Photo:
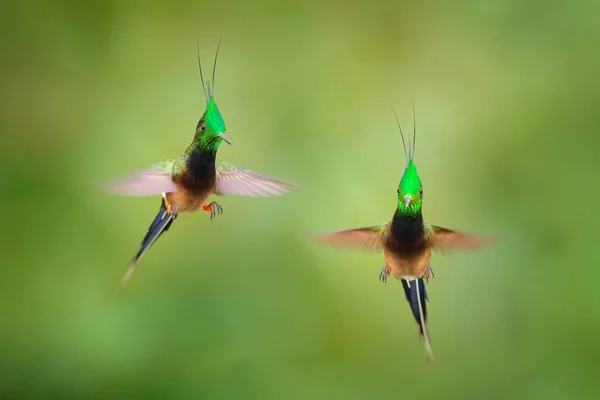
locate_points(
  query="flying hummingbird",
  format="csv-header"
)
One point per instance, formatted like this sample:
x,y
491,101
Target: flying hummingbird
x,y
407,240
186,182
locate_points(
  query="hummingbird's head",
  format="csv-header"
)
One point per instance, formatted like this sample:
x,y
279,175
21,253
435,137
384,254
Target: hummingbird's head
x,y
410,189
211,127
210,131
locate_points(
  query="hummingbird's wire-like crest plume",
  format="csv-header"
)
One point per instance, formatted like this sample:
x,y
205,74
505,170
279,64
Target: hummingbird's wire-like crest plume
x,y
215,67
401,134
211,87
409,152
414,129
201,76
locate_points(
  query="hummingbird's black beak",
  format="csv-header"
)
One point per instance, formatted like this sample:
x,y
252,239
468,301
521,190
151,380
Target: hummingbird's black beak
x,y
407,200
222,136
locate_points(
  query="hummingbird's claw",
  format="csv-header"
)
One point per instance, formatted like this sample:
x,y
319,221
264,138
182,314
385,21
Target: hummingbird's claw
x,y
172,209
214,209
429,273
383,275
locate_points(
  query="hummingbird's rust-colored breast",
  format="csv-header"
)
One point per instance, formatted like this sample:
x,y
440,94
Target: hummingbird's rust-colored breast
x,y
188,199
195,183
407,266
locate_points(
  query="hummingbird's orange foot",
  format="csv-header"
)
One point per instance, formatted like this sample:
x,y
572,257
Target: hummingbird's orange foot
x,y
213,208
383,275
171,208
428,273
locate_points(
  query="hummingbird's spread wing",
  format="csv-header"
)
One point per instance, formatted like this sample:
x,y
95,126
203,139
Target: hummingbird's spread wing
x,y
446,239
233,180
147,182
369,238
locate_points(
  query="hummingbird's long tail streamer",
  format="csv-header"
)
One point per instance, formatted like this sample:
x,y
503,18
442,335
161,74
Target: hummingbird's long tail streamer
x,y
161,224
416,295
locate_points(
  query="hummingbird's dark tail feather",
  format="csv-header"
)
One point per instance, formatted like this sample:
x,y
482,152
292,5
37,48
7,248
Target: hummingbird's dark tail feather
x,y
161,224
416,295
410,290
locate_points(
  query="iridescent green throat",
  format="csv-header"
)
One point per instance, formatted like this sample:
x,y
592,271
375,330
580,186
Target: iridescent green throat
x,y
207,144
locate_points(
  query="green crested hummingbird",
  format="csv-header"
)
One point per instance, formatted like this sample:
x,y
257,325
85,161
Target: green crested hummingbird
x,y
186,182
407,240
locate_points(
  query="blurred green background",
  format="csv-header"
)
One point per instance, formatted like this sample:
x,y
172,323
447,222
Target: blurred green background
x,y
247,307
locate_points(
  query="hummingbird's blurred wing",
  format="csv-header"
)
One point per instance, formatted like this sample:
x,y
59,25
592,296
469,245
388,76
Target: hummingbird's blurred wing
x,y
446,239
147,182
368,238
233,180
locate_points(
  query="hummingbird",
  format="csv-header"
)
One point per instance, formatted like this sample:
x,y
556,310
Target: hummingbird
x,y
186,183
407,241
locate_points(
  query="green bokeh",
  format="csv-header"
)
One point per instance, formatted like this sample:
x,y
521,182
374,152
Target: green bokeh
x,y
247,307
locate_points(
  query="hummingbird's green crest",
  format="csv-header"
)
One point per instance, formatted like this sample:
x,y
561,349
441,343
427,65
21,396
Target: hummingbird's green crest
x,y
186,182
407,240
210,131
410,191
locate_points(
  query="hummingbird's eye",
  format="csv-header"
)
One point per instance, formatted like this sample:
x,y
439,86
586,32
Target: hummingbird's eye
x,y
421,192
398,191
202,127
